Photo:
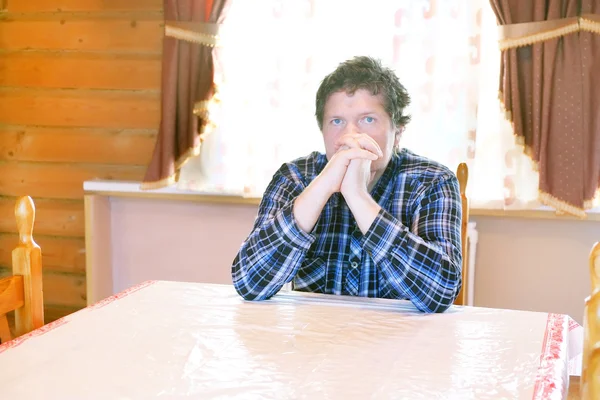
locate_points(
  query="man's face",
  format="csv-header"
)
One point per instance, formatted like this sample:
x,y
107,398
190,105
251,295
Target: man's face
x,y
360,112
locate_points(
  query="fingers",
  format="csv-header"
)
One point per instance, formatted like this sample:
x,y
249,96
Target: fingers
x,y
350,154
359,140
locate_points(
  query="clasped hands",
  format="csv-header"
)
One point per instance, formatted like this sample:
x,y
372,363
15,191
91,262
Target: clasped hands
x,y
349,169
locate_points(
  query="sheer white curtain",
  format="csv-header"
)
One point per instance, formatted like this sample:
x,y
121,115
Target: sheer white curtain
x,y
276,52
501,175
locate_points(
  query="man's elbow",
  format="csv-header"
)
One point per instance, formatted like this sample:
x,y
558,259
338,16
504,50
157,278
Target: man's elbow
x,y
435,307
442,301
443,305
447,299
249,294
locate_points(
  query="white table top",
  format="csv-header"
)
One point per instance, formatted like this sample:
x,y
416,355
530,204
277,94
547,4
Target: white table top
x,y
189,340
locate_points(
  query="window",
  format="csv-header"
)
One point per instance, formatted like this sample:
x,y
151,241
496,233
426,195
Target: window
x,y
275,53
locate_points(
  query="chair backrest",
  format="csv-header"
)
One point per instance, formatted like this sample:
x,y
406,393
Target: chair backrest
x,y
22,292
591,389
590,368
594,266
462,173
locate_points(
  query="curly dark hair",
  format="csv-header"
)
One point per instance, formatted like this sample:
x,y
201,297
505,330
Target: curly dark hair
x,y
364,72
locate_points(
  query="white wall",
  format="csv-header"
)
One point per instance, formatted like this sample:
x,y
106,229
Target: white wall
x,y
527,264
534,264
175,240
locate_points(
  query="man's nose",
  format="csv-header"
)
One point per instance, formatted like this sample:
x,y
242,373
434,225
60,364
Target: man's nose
x,y
351,128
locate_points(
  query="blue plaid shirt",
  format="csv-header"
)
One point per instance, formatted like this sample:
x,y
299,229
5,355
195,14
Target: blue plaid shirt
x,y
411,251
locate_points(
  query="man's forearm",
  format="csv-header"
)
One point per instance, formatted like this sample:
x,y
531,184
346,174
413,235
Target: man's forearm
x,y
363,208
424,263
270,256
310,203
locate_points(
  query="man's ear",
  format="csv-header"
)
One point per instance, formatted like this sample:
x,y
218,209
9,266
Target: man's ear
x,y
398,135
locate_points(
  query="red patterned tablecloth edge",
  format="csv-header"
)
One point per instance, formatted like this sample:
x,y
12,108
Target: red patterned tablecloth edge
x,y
119,295
573,324
62,321
554,349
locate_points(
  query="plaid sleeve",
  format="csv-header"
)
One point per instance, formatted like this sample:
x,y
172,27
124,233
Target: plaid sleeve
x,y
424,263
276,247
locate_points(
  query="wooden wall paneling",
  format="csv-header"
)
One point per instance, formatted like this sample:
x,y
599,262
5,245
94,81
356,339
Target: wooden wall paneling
x,y
53,312
22,6
67,289
85,70
80,108
77,145
59,254
59,181
53,217
126,35
79,100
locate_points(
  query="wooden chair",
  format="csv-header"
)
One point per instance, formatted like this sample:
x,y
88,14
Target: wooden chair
x,y
591,340
591,389
590,368
462,173
22,292
594,266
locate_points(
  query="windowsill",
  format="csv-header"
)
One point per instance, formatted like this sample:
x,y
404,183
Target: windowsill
x,y
541,213
132,189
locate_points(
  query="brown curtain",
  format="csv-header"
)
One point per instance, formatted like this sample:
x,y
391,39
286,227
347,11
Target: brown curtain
x,y
191,32
551,94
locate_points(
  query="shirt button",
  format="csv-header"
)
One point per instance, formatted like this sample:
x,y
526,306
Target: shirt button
x,y
354,264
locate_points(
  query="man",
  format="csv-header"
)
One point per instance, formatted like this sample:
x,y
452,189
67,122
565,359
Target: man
x,y
366,219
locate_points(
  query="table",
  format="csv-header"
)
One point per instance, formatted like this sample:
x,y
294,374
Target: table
x,y
189,340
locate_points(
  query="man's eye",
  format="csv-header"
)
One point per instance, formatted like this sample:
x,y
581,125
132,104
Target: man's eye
x,y
369,120
336,121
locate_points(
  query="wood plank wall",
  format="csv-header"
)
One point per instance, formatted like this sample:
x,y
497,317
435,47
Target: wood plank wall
x,y
79,99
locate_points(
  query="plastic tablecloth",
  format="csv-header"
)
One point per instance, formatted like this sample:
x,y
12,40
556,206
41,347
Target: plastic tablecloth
x,y
190,340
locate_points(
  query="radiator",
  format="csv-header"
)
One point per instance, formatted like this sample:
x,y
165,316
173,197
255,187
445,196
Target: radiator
x,y
472,233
